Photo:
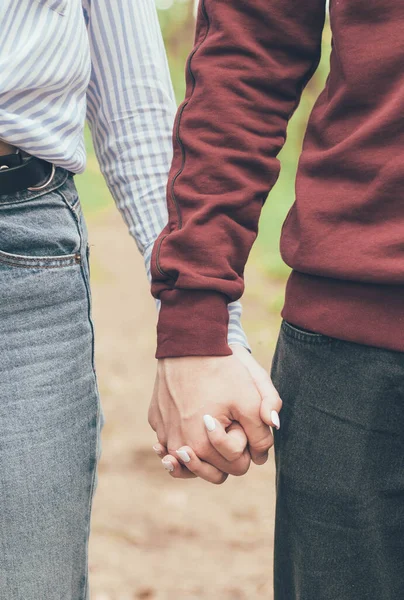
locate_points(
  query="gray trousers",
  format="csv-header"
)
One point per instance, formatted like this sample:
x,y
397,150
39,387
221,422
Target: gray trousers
x,y
340,470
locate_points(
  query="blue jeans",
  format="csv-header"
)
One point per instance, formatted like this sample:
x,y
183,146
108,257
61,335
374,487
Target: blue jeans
x,y
340,469
50,416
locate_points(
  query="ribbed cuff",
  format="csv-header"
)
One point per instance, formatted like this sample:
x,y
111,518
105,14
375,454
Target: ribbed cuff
x,y
192,323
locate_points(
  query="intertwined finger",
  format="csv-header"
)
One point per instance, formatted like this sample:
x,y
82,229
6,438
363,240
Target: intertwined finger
x,y
200,468
230,443
160,449
260,438
271,404
261,412
259,434
176,469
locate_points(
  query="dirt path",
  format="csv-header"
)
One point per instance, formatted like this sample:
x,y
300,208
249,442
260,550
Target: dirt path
x,y
155,538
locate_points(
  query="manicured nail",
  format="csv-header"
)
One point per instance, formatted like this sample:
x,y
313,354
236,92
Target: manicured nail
x,y
157,450
210,423
167,464
184,456
275,419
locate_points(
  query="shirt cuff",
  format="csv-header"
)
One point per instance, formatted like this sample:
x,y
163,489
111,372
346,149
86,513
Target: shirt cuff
x,y
236,334
235,331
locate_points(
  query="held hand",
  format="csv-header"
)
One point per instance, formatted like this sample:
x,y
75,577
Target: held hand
x,y
185,464
271,403
234,394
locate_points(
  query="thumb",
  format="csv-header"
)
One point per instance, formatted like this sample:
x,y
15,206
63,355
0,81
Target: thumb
x,y
271,403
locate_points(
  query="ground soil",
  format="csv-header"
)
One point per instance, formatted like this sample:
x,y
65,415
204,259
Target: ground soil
x,y
154,537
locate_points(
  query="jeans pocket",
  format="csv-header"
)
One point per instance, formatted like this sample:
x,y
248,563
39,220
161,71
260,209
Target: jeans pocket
x,y
41,230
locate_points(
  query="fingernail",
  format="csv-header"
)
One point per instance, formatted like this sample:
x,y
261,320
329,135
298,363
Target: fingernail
x,y
210,423
157,450
184,456
167,464
275,419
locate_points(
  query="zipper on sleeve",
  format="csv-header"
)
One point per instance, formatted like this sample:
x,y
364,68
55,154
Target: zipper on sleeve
x,y
178,138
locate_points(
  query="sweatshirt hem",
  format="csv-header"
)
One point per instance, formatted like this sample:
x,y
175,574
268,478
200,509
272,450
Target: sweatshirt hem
x,y
363,313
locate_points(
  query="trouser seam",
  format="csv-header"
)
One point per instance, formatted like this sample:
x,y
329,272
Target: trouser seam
x,y
84,271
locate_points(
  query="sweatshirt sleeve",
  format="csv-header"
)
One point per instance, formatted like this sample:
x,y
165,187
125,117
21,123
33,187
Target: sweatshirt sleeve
x,y
245,76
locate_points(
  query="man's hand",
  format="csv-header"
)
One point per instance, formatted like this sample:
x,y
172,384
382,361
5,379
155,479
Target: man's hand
x,y
271,403
205,410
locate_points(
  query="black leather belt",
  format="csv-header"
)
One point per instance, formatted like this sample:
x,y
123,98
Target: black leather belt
x,y
31,174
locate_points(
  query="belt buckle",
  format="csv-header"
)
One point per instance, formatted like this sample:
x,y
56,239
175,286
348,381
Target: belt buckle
x,y
44,185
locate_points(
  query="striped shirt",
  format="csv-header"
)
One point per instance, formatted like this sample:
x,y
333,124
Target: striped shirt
x,y
62,61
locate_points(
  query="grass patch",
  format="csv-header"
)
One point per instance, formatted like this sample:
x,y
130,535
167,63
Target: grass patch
x,y
93,191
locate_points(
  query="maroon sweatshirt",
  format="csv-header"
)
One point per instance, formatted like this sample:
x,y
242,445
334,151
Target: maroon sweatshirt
x,y
344,235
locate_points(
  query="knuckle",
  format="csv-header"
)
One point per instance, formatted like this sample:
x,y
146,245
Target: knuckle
x,y
241,468
261,459
277,403
220,479
235,454
263,445
251,410
261,449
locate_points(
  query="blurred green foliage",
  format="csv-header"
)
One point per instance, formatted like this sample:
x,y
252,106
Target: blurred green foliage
x,y
94,194
178,26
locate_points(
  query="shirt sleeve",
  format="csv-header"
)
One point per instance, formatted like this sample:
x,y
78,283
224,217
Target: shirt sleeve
x,y
131,109
245,76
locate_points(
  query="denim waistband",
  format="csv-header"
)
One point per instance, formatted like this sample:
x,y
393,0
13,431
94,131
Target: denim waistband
x,y
60,177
